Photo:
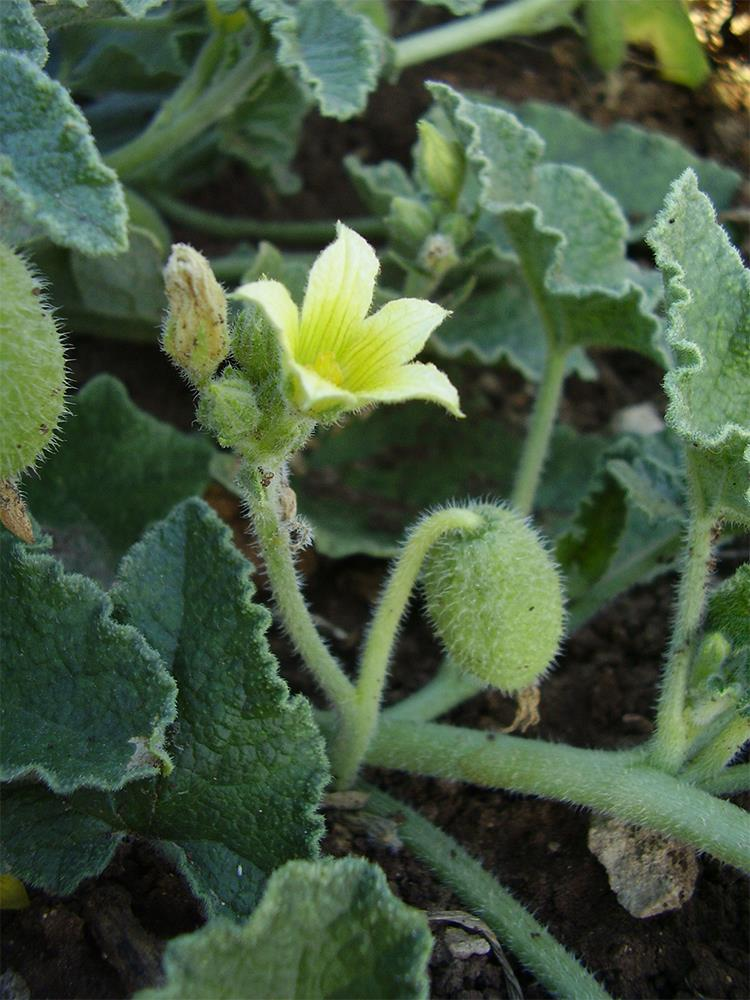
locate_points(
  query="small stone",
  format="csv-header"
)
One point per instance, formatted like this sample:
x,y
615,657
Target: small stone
x,y
463,945
649,873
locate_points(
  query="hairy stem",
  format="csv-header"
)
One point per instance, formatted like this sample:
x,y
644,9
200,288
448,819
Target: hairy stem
x,y
537,441
348,752
670,742
279,563
297,232
521,17
204,96
447,689
720,751
536,948
619,784
730,781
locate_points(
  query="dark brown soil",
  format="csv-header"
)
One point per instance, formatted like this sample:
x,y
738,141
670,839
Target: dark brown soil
x,y
106,940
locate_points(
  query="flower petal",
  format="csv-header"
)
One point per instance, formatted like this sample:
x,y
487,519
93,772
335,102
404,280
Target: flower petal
x,y
279,307
338,296
390,338
415,381
314,394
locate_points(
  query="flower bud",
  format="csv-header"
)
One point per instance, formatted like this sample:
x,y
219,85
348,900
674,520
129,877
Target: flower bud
x,y
495,599
438,255
195,331
440,162
228,407
409,222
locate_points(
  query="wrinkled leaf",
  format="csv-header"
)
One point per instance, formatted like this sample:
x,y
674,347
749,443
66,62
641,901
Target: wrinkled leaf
x,y
635,165
52,179
365,482
708,326
21,32
336,52
249,765
117,470
85,700
64,12
378,184
729,608
323,929
568,234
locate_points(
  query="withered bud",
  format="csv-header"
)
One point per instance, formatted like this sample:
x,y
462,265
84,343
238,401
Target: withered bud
x,y
195,331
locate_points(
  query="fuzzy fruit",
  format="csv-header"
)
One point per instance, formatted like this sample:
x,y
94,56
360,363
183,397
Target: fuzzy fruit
x,y
495,599
32,368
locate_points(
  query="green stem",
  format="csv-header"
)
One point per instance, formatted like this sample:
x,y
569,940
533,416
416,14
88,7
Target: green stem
x,y
521,17
721,750
447,689
670,741
277,556
730,781
619,784
351,748
536,948
205,96
540,429
313,232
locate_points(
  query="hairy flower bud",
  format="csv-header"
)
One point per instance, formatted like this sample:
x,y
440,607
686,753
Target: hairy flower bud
x,y
495,598
440,162
195,331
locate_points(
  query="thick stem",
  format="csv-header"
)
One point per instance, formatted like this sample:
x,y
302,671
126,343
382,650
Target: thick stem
x,y
516,928
719,752
540,429
447,689
314,232
348,752
197,103
670,742
282,575
616,783
521,17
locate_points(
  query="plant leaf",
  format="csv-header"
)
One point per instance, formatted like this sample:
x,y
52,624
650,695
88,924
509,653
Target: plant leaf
x,y
568,234
21,32
117,469
52,179
65,12
708,326
336,52
85,700
396,462
729,608
635,165
323,929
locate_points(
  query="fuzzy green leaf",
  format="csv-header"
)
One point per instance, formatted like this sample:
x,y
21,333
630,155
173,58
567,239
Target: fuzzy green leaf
x,y
65,12
21,32
336,52
633,164
52,179
85,700
395,463
568,234
117,470
249,766
378,184
323,929
729,608
708,326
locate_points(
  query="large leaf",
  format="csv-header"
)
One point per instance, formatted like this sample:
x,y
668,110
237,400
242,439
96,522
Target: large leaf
x,y
708,325
85,700
365,482
249,765
117,470
52,179
326,929
334,51
568,234
65,12
635,165
21,32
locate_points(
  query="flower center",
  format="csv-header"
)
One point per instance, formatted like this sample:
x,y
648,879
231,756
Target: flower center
x,y
328,367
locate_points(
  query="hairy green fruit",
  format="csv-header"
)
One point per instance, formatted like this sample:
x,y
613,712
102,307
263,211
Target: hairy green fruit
x,y
32,368
495,598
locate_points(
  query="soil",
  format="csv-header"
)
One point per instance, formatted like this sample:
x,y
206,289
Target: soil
x,y
106,940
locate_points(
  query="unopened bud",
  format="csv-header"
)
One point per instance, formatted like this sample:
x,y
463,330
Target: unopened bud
x,y
409,222
712,652
440,162
228,407
438,254
495,599
195,331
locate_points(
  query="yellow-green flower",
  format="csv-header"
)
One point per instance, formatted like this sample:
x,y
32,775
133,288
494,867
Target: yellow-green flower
x,y
339,358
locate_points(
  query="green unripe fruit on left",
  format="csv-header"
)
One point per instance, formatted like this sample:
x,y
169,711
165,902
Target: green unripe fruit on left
x,y
32,368
495,598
